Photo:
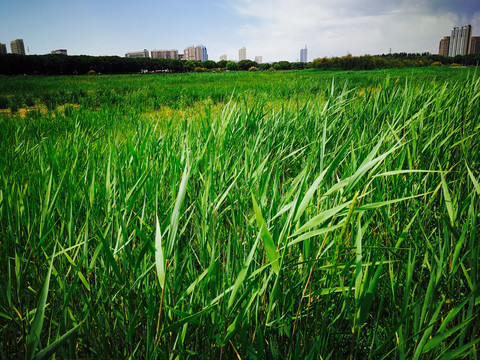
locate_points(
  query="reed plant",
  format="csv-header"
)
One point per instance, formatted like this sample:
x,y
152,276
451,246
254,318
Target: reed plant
x,y
334,216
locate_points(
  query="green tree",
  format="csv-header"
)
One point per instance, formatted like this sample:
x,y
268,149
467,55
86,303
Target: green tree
x,y
264,66
282,65
231,66
190,65
208,64
298,66
222,64
246,64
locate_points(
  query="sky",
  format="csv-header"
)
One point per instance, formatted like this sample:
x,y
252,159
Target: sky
x,y
273,29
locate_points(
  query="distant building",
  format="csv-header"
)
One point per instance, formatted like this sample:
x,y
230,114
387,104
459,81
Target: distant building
x,y
59,52
303,55
197,53
242,54
475,45
3,49
460,41
165,54
258,59
138,54
444,45
223,57
17,47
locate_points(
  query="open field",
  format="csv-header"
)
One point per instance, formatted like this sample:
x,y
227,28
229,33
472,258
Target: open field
x,y
275,215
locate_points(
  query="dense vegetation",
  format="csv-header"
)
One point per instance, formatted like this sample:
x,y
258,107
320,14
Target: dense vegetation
x,y
274,215
11,64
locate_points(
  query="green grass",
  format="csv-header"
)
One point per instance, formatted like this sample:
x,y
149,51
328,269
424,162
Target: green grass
x,y
272,215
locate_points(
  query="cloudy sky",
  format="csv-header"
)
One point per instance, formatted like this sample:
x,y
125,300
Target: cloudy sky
x,y
274,29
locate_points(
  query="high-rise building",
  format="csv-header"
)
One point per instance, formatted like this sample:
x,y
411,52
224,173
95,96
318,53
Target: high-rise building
x,y
3,49
165,54
475,45
223,57
242,54
198,53
460,41
138,54
17,47
444,45
303,55
258,59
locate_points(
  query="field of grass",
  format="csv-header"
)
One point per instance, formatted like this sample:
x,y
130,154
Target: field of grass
x,y
275,215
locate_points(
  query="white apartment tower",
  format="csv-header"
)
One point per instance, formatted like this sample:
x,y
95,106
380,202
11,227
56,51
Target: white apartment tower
x,y
460,41
242,54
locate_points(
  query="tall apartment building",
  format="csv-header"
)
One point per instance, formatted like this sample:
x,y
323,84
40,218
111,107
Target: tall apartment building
x,y
242,54
138,54
197,53
303,55
258,59
165,54
3,49
460,40
17,47
475,45
223,57
444,45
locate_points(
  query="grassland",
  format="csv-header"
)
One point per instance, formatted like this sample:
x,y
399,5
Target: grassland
x,y
276,215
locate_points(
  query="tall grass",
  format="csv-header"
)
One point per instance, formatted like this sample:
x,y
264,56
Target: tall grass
x,y
333,217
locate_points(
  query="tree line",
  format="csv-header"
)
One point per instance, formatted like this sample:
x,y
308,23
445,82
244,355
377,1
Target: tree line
x,y
396,60
12,64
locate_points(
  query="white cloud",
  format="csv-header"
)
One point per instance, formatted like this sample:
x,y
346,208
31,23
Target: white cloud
x,y
277,29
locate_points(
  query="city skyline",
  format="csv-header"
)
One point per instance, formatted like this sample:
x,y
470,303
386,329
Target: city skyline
x,y
332,28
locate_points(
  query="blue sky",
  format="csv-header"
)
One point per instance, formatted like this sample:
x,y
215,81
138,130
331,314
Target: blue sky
x,y
274,29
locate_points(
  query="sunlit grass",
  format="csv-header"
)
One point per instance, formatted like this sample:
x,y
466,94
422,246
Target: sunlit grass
x,y
285,215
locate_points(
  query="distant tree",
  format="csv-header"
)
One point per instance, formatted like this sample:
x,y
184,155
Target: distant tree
x,y
175,65
231,66
246,64
190,65
208,64
282,65
298,66
222,64
264,66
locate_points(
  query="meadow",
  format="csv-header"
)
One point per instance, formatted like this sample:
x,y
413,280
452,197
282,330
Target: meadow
x,y
268,215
